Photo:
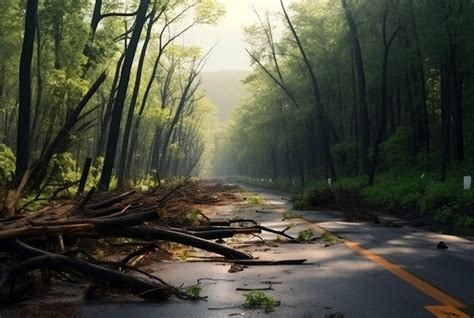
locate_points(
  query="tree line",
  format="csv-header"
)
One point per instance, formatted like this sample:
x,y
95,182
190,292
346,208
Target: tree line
x,y
103,82
354,87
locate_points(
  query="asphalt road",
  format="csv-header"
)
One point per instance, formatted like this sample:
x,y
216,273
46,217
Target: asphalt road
x,y
373,271
361,271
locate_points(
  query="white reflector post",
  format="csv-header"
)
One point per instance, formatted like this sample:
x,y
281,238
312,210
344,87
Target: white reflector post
x,y
467,182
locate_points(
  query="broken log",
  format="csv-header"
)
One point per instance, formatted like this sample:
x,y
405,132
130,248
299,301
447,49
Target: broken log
x,y
212,233
263,262
33,231
42,259
153,233
257,229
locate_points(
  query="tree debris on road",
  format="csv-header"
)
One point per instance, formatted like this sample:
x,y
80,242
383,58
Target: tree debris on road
x,y
104,237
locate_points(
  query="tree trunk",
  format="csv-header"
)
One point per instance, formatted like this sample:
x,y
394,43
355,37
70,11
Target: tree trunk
x,y
445,119
424,105
364,135
456,94
383,96
104,124
320,118
133,101
114,129
23,134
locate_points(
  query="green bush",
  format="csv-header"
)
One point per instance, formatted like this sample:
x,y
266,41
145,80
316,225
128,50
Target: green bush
x,y
63,167
7,163
407,189
395,152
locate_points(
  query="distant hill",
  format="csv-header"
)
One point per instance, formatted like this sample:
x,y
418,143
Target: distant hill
x,y
224,89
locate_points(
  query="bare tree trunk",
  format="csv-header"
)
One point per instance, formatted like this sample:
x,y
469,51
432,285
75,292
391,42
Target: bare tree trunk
x,y
39,82
108,111
364,135
114,129
456,94
445,119
133,101
421,68
319,107
383,96
23,135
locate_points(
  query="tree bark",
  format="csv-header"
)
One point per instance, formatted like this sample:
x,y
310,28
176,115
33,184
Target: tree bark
x,y
38,259
23,134
133,101
320,118
104,124
114,129
383,96
364,135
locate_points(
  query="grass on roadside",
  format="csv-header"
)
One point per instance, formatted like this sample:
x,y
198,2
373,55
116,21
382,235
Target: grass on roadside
x,y
448,202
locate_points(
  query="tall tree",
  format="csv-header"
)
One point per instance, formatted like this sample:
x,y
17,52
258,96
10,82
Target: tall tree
x,y
363,128
320,118
24,110
381,118
133,101
114,129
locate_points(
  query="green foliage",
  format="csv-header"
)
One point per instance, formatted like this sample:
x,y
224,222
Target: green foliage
x,y
7,163
194,218
408,189
395,152
63,167
329,238
254,198
344,148
465,221
209,11
306,199
305,235
94,172
258,299
194,291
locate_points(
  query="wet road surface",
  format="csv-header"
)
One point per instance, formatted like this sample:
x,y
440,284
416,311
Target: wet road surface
x,y
362,270
372,272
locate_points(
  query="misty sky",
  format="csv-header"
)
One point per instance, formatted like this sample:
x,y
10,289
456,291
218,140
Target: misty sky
x,y
230,51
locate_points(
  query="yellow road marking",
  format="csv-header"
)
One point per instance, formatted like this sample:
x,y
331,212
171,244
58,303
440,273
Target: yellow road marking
x,y
450,303
406,276
446,312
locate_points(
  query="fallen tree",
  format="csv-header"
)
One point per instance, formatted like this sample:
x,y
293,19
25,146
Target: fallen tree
x,y
49,239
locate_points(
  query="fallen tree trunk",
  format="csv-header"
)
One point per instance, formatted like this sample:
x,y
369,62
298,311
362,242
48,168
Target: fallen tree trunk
x,y
264,262
33,231
257,228
217,233
42,259
153,233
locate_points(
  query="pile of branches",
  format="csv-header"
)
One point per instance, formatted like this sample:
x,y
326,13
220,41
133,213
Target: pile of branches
x,y
50,239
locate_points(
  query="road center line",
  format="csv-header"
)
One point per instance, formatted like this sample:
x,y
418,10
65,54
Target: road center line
x,y
450,303
408,277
